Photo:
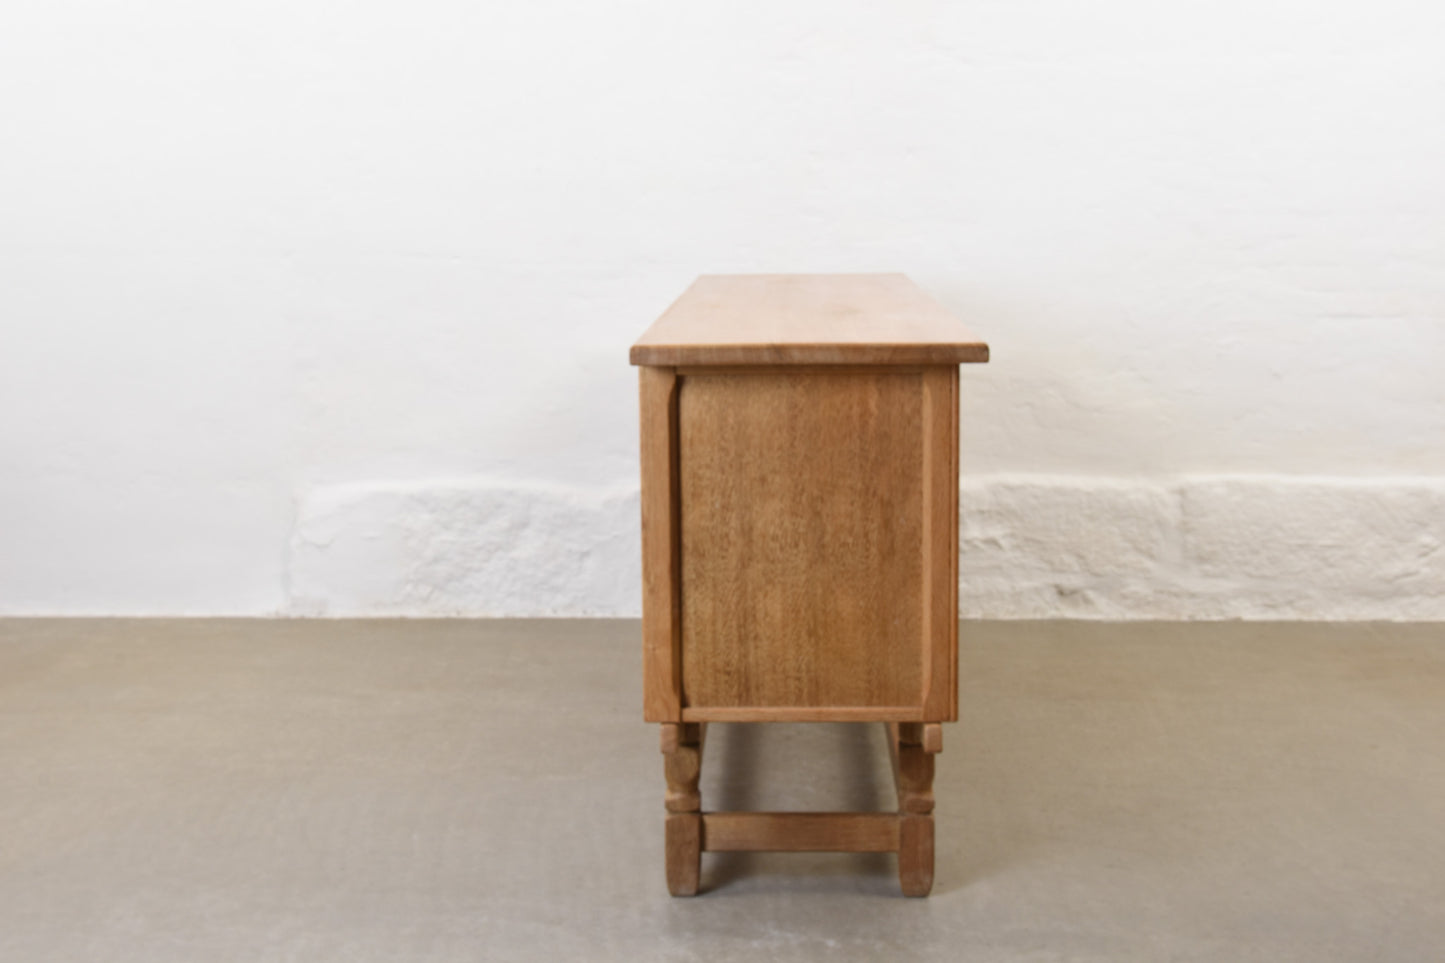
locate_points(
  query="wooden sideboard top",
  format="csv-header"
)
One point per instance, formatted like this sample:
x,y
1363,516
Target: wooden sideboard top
x,y
778,319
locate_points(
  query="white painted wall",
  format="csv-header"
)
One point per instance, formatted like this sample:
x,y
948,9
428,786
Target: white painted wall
x,y
323,308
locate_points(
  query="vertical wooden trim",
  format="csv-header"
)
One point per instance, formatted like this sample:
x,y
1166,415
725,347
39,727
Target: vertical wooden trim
x,y
954,416
661,571
940,541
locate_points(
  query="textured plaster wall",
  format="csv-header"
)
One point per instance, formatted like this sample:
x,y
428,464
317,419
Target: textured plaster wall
x,y
1205,547
321,308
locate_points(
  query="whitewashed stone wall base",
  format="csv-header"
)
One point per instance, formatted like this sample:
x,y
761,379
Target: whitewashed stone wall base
x,y
466,549
1251,547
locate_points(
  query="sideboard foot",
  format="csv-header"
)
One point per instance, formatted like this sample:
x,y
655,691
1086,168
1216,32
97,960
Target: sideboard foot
x,y
912,747
684,853
682,765
915,854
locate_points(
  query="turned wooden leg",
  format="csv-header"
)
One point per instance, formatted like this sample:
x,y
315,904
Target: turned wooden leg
x,y
912,746
682,764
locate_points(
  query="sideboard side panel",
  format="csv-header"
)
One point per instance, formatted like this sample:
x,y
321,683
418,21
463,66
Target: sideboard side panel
x,y
661,616
802,514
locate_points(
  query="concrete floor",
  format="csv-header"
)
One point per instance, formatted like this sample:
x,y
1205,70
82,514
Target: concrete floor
x,y
326,791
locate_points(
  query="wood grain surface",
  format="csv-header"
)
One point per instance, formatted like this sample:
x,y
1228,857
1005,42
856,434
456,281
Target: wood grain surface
x,y
940,541
661,679
806,319
802,538
800,832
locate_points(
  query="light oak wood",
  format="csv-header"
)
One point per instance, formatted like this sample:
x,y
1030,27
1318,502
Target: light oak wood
x,y
939,539
913,765
661,679
806,319
682,765
951,497
913,769
802,500
799,445
683,852
682,747
800,832
802,713
909,832
932,739
915,855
